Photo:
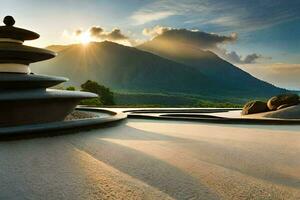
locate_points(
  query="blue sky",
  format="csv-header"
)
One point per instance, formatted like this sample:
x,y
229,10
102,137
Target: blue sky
x,y
270,28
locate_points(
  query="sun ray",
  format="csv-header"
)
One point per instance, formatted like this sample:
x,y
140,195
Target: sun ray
x,y
85,38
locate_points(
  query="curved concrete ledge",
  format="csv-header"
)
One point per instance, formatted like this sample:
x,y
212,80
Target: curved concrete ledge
x,y
40,94
14,68
22,54
194,116
28,81
55,128
181,110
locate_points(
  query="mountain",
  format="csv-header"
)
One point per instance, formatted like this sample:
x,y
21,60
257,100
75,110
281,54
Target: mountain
x,y
175,45
125,68
57,48
132,70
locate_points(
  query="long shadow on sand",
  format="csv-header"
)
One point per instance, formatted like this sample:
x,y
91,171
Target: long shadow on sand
x,y
145,168
237,159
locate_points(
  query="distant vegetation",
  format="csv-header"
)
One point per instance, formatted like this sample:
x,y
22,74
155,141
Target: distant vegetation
x,y
71,88
171,100
210,104
107,98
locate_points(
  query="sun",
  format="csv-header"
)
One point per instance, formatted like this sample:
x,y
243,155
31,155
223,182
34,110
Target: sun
x,y
85,38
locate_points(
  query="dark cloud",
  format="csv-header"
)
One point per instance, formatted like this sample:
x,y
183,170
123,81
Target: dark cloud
x,y
252,58
78,32
235,58
197,38
207,41
116,35
98,33
95,30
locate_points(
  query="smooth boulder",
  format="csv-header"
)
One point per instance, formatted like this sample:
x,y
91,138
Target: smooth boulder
x,y
283,106
254,107
283,100
291,112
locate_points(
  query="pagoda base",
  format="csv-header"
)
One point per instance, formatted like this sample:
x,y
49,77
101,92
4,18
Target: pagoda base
x,y
31,106
35,111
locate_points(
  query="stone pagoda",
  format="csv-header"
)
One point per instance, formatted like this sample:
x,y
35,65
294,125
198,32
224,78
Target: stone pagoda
x,y
24,97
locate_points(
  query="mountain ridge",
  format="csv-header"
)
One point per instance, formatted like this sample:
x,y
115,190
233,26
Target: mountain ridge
x,y
127,55
131,69
207,62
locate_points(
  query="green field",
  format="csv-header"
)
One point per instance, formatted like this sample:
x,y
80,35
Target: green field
x,y
170,100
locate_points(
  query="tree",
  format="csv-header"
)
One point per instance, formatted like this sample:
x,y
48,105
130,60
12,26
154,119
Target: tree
x,y
71,88
104,93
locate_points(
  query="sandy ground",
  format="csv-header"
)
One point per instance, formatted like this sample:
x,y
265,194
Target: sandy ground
x,y
145,159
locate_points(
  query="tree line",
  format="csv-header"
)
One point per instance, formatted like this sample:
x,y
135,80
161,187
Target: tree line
x,y
105,95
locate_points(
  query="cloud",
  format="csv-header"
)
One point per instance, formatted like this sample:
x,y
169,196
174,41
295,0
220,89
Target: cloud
x,y
78,32
234,15
238,59
203,40
116,35
143,17
95,30
194,37
99,34
155,31
231,56
252,58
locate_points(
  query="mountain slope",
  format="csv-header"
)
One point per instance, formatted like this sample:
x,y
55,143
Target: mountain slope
x,y
129,69
57,48
173,46
125,68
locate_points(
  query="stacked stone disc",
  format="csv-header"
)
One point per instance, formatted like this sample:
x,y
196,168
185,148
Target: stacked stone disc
x,y
24,97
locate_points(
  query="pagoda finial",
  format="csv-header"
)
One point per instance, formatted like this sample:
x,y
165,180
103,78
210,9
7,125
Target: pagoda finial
x,y
9,21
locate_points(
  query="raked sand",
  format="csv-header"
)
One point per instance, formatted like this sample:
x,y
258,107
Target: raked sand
x,y
145,159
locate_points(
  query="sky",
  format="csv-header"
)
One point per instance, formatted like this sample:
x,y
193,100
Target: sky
x,y
267,30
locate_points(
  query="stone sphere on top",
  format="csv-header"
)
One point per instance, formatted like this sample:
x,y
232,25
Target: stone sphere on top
x,y
11,32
